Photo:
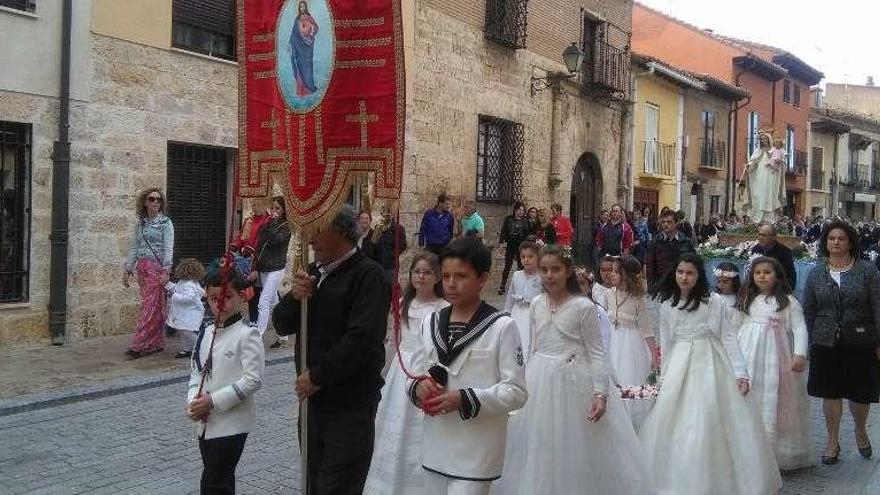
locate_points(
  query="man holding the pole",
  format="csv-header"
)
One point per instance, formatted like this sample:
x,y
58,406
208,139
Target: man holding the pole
x,y
347,313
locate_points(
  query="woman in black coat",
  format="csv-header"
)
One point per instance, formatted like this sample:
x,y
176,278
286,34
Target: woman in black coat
x,y
842,313
269,262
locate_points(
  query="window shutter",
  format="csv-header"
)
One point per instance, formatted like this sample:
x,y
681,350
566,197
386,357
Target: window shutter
x,y
197,200
217,16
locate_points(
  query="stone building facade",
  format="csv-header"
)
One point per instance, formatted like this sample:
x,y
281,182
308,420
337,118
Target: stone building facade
x,y
154,103
134,98
575,148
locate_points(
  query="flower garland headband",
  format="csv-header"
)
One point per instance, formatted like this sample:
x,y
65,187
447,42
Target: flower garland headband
x,y
725,273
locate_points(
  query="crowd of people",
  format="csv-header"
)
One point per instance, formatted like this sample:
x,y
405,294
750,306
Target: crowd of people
x,y
584,382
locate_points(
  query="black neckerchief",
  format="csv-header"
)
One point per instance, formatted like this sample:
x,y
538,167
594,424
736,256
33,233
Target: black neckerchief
x,y
484,317
197,358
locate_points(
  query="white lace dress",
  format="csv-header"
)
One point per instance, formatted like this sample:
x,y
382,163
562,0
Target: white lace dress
x,y
552,448
701,437
768,340
396,467
628,350
523,288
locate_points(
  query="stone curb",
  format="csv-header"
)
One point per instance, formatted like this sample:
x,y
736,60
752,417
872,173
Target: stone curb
x,y
35,402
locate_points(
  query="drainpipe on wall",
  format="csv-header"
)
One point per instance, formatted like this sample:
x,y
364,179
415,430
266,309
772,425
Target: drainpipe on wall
x,y
679,155
61,192
554,180
835,189
624,161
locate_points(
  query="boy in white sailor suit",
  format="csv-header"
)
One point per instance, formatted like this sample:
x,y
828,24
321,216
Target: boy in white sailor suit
x,y
224,412
473,355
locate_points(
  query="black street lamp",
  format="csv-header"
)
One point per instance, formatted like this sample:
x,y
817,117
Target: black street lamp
x,y
573,58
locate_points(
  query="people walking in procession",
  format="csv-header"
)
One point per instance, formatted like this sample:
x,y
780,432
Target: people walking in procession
x,y
269,263
396,468
525,286
227,370
347,314
150,258
186,310
773,339
664,249
469,364
437,226
842,313
514,231
702,437
571,436
615,238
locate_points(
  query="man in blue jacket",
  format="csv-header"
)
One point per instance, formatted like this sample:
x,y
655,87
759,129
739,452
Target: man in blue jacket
x,y
437,223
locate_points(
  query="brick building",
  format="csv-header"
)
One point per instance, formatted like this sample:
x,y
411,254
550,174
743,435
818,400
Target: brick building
x,y
153,101
778,83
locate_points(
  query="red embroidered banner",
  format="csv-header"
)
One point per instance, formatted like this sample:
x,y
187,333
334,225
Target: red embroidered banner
x,y
321,100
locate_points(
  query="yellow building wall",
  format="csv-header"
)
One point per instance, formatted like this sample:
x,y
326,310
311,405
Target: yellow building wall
x,y
147,22
665,96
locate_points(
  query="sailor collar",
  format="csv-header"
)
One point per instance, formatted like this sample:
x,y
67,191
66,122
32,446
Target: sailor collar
x,y
484,317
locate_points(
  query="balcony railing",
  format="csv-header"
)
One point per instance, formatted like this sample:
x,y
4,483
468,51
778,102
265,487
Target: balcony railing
x,y
857,175
817,179
607,68
506,22
659,158
875,177
713,153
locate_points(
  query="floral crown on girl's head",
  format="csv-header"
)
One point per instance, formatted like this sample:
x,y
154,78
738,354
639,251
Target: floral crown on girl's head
x,y
725,273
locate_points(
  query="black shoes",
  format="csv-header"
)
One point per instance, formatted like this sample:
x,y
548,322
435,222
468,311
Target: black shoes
x,y
830,460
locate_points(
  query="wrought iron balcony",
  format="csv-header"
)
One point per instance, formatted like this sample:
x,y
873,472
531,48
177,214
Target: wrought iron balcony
x,y
607,68
659,158
797,165
506,22
857,176
713,153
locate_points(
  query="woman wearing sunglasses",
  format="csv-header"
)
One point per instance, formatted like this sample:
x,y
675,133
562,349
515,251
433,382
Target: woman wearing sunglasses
x,y
150,258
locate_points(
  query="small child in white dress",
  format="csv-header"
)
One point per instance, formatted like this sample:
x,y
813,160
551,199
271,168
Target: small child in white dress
x,y
633,349
525,285
186,308
397,453
773,338
727,282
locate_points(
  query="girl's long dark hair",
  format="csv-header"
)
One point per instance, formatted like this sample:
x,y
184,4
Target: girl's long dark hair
x,y
750,291
409,293
670,291
571,282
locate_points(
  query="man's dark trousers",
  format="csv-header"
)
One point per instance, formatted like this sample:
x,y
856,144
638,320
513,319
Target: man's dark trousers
x,y
340,450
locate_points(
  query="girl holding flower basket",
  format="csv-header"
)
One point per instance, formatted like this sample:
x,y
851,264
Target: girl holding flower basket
x,y
773,338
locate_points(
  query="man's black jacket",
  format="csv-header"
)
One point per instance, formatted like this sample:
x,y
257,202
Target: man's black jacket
x,y
346,319
783,255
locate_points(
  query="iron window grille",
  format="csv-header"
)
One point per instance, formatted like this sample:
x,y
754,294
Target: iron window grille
x,y
713,153
197,195
25,5
204,26
607,66
500,150
659,158
817,174
507,22
15,211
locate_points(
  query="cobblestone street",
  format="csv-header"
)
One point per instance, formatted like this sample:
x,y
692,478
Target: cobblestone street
x,y
139,442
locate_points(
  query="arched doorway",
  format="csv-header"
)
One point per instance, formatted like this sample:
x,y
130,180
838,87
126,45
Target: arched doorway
x,y
586,203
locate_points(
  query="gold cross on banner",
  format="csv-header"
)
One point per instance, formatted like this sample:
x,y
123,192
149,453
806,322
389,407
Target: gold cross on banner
x,y
364,119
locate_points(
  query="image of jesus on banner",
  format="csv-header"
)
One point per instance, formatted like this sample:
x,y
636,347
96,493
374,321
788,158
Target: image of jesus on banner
x,y
302,45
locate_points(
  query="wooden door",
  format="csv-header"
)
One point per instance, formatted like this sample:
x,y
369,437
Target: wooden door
x,y
586,203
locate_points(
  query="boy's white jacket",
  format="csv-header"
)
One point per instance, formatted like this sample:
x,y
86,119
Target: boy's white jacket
x,y
237,372
490,370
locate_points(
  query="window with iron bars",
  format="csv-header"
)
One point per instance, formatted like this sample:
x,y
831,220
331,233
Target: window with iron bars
x,y
15,211
204,26
507,22
500,150
25,5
